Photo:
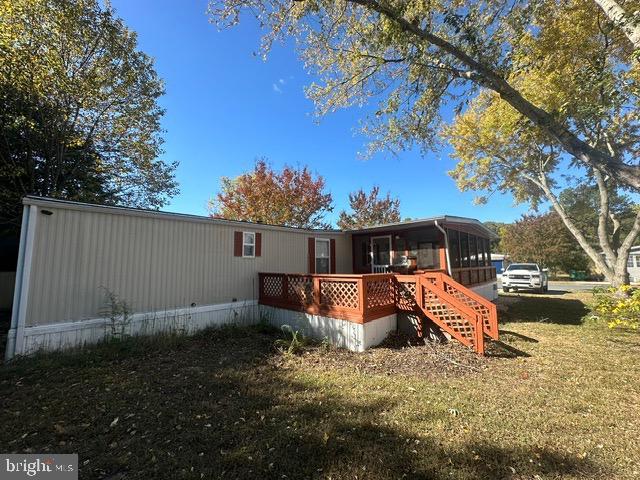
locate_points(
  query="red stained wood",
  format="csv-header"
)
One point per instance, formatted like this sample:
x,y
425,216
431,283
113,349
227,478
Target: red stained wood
x,y
258,244
237,244
312,255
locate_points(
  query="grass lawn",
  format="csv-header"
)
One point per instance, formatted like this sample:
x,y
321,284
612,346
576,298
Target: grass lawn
x,y
560,400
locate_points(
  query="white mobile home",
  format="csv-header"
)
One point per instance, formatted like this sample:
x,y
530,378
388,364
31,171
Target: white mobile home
x,y
185,272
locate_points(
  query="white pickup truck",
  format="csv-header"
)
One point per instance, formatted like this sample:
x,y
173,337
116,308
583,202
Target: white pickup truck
x,y
525,276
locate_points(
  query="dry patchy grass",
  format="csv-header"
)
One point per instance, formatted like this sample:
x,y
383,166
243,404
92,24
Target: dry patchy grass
x,y
224,404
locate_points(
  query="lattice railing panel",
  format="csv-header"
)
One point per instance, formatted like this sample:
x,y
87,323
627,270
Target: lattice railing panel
x,y
406,296
272,286
339,293
448,315
300,290
380,292
470,302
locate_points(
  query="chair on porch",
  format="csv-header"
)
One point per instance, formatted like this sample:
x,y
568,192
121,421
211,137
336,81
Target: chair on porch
x,y
381,268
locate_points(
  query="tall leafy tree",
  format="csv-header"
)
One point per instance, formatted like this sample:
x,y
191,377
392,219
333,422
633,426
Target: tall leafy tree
x,y
369,209
582,206
582,81
79,112
496,227
415,55
543,239
292,196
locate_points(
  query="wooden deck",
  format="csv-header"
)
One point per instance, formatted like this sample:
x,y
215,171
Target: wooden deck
x,y
456,309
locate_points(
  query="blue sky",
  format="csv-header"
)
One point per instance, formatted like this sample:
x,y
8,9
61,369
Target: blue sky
x,y
226,107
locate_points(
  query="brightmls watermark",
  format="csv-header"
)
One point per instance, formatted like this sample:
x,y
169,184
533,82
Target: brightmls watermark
x,y
39,466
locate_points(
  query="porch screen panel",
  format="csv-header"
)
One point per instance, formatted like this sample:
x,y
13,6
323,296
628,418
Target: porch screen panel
x,y
427,255
464,248
473,250
482,252
454,248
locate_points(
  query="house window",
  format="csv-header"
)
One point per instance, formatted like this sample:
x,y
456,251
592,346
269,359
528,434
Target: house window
x,y
322,255
249,244
630,263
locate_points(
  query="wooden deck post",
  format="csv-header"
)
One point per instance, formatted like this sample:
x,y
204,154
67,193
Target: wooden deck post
x,y
362,295
479,334
317,297
285,287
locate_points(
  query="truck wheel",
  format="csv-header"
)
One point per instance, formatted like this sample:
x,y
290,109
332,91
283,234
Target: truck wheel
x,y
505,289
545,288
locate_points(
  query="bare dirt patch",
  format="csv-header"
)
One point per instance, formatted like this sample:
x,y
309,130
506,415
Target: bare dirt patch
x,y
398,355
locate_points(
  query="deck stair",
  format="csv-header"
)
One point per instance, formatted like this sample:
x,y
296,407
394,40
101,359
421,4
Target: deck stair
x,y
466,296
456,309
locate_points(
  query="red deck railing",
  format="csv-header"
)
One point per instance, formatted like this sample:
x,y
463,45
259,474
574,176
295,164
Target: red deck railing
x,y
459,311
358,298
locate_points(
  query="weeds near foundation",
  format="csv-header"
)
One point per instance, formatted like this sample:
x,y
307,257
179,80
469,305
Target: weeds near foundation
x,y
293,343
264,324
119,314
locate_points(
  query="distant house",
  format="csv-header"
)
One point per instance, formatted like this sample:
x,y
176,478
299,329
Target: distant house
x,y
633,264
500,262
182,273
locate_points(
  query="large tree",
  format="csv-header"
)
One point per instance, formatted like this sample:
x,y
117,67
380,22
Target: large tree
x,y
625,16
369,209
495,227
416,55
580,80
79,112
545,240
293,196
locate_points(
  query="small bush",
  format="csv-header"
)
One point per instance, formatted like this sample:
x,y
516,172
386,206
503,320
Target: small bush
x,y
293,343
617,307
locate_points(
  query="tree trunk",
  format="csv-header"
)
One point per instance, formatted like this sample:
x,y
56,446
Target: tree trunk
x,y
621,19
620,278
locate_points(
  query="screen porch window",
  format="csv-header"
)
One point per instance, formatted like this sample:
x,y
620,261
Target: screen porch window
x,y
248,244
322,255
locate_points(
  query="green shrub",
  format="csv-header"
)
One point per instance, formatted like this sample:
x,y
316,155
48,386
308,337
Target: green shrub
x,y
293,343
617,307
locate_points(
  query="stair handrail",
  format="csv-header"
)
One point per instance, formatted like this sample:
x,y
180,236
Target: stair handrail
x,y
442,278
470,315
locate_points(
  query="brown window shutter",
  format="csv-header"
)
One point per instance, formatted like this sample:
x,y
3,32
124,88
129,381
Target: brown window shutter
x,y
312,255
258,244
237,244
332,256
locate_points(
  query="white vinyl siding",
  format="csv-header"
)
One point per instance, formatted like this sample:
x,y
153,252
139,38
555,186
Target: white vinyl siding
x,y
153,261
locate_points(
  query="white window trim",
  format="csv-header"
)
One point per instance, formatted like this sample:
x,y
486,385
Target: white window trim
x,y
315,253
250,244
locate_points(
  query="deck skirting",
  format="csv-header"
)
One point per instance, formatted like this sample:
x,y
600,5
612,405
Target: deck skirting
x,y
61,336
340,333
488,290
